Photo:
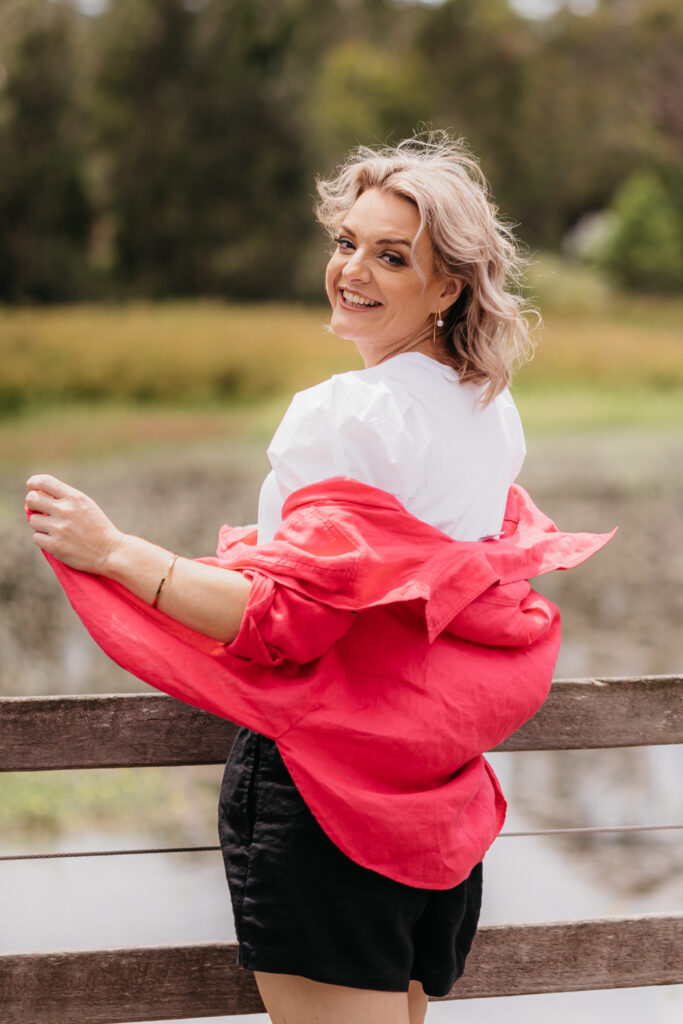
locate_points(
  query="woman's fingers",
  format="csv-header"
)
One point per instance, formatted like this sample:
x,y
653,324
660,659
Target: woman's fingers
x,y
40,523
37,501
43,540
69,524
50,485
40,507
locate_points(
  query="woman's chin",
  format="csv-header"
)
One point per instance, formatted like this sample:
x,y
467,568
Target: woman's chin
x,y
351,325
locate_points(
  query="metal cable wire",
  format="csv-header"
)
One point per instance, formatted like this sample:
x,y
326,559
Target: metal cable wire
x,y
590,830
108,853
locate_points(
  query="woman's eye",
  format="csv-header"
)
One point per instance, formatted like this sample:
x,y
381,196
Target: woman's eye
x,y
344,244
393,258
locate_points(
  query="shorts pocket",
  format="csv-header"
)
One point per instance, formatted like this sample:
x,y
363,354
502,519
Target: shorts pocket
x,y
237,814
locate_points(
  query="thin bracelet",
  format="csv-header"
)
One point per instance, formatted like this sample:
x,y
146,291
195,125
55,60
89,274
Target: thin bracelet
x,y
173,561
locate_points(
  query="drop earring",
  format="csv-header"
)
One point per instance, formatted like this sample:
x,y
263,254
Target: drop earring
x,y
438,322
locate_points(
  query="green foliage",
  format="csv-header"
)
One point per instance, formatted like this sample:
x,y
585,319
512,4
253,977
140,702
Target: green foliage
x,y
366,96
555,108
204,159
169,147
44,211
645,248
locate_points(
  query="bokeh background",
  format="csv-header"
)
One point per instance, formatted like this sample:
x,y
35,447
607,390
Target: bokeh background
x,y
161,298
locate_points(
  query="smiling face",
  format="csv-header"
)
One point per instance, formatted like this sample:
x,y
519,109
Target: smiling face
x,y
378,298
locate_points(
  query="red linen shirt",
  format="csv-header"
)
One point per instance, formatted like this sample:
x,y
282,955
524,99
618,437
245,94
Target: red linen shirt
x,y
383,656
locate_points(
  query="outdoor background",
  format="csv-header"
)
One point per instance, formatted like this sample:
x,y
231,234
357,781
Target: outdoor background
x,y
161,299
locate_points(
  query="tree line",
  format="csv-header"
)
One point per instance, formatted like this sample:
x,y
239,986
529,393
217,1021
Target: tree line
x,y
169,147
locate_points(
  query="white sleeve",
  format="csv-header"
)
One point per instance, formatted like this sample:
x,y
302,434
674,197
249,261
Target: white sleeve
x,y
347,427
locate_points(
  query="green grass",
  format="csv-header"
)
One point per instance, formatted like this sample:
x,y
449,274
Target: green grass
x,y
88,430
570,408
167,353
178,804
51,435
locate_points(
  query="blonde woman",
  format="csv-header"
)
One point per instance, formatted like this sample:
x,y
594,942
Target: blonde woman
x,y
369,640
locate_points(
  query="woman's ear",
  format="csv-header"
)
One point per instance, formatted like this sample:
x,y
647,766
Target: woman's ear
x,y
451,292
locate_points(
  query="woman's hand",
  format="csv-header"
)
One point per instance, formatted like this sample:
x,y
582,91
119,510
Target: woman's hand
x,y
69,525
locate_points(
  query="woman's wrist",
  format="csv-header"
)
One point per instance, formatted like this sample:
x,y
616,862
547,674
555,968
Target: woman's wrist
x,y
115,558
206,598
110,552
138,565
164,578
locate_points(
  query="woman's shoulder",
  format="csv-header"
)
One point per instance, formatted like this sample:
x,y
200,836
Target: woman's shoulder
x,y
355,424
399,387
348,394
405,391
347,407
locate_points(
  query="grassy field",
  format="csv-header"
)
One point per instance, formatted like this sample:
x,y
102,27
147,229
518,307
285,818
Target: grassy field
x,y
89,379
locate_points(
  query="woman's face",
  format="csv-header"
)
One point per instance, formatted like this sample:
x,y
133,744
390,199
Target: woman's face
x,y
378,299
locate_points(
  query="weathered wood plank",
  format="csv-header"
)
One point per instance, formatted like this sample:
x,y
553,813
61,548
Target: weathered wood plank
x,y
572,956
592,713
153,983
117,985
38,733
122,730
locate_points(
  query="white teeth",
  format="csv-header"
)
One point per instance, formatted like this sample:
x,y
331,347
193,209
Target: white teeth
x,y
358,300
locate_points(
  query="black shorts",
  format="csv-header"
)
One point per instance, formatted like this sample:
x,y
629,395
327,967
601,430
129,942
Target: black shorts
x,y
303,907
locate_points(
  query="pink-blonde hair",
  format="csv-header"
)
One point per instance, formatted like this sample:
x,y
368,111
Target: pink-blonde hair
x,y
486,331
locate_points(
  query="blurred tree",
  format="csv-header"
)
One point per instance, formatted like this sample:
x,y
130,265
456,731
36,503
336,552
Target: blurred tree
x,y
658,60
478,55
140,113
644,251
205,159
364,95
580,130
44,210
561,109
518,103
252,66
207,121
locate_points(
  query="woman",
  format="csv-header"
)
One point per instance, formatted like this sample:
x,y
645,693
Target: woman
x,y
348,914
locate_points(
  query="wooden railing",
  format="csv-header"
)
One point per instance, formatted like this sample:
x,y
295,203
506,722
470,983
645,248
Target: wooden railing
x,y
203,980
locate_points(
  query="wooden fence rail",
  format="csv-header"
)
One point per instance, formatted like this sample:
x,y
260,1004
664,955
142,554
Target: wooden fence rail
x,y
174,982
114,986
140,729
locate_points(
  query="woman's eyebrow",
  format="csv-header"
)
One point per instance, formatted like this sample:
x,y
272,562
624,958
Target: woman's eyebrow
x,y
380,241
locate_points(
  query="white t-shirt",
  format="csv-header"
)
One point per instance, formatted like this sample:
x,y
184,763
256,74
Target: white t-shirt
x,y
410,428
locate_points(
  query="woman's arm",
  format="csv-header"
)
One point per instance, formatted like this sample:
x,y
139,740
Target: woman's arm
x,y
72,527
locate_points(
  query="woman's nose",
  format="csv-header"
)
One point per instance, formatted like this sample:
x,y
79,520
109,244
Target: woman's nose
x,y
356,267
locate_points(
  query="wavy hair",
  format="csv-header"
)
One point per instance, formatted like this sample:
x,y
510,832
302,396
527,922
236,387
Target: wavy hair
x,y
486,330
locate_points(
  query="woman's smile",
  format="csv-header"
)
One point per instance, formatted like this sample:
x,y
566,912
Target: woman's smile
x,y
354,300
